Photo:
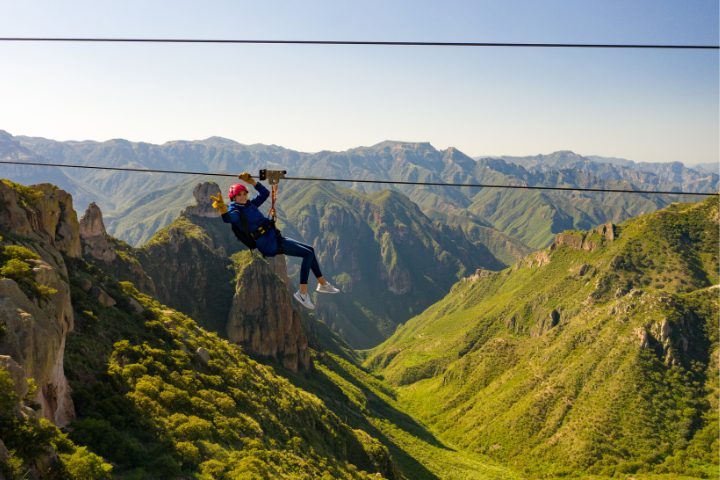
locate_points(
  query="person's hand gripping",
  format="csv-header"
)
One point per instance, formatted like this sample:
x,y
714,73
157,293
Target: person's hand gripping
x,y
247,178
218,204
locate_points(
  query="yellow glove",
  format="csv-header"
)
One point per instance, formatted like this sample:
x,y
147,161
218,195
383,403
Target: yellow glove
x,y
246,177
218,204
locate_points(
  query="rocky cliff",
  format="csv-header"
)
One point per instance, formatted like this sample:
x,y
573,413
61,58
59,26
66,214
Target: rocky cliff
x,y
39,227
246,300
94,238
110,254
262,318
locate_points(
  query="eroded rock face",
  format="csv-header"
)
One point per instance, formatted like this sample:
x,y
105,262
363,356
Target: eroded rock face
x,y
35,338
262,319
588,241
42,212
36,325
94,237
191,275
202,193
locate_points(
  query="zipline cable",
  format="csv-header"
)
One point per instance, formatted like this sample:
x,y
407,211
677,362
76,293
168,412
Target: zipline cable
x,y
350,180
360,42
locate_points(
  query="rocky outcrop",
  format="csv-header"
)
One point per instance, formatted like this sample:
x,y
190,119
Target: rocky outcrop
x,y
35,338
202,193
116,258
36,326
588,241
262,319
189,274
253,309
41,212
479,274
94,237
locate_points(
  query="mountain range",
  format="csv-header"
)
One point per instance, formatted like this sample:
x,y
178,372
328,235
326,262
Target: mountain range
x,y
519,216
593,358
421,238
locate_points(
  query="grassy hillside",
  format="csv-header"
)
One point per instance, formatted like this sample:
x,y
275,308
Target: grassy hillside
x,y
161,398
595,356
363,401
150,404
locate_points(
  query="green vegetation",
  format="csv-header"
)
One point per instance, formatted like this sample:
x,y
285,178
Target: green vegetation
x,y
384,250
572,363
187,228
577,362
156,409
16,264
366,402
28,195
30,439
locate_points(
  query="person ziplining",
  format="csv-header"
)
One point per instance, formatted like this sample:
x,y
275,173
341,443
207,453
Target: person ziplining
x,y
255,230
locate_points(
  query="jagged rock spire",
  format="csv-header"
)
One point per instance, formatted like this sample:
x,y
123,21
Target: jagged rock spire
x,y
94,237
202,192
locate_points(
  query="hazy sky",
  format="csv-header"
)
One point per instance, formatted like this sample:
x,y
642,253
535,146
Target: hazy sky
x,y
645,105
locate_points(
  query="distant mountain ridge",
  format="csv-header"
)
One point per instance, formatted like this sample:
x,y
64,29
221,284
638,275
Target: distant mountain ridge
x,y
479,227
117,192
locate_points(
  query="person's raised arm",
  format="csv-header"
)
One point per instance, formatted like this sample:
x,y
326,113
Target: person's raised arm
x,y
263,192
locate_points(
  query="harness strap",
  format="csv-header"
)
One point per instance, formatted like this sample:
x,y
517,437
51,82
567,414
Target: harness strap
x,y
273,198
263,229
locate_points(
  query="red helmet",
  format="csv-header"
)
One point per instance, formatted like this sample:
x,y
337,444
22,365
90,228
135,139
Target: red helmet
x,y
235,189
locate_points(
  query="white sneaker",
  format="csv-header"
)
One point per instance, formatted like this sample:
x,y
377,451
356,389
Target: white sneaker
x,y
304,300
327,288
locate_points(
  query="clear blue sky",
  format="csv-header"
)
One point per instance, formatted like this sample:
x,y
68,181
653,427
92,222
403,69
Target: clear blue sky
x,y
637,104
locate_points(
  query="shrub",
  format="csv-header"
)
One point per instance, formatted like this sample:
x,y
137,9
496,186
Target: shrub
x,y
16,269
85,465
19,252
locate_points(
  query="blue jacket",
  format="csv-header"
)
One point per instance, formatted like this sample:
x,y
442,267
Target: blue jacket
x,y
267,244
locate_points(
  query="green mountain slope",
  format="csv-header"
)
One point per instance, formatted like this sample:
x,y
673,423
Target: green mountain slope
x,y
156,395
160,397
389,259
598,355
149,391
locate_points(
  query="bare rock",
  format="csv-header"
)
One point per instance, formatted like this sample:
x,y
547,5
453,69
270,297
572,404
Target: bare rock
x,y
202,193
42,212
135,306
94,237
104,298
203,354
643,336
588,241
85,284
35,338
536,259
4,455
479,274
262,319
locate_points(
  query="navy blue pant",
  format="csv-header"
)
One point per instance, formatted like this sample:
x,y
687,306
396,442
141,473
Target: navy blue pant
x,y
306,252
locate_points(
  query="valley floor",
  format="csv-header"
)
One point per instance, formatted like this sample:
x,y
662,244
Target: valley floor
x,y
366,402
